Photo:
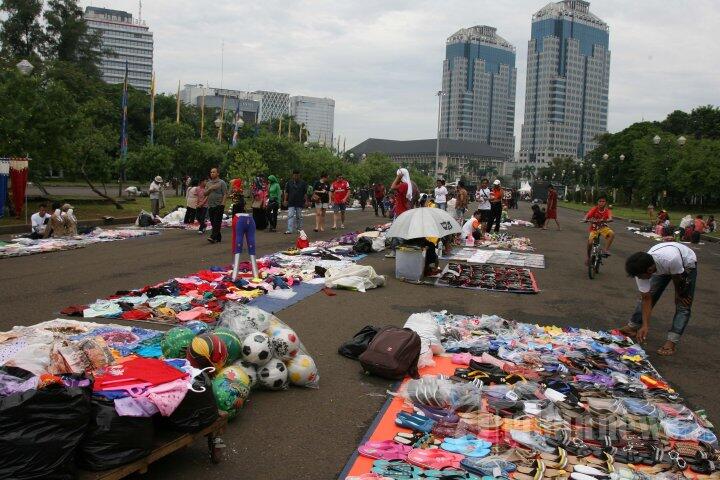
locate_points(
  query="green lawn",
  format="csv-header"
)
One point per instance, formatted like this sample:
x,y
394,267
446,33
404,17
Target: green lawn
x,y
94,210
641,214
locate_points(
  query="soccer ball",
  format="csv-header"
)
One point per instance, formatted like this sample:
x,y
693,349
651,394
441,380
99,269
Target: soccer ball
x,y
249,370
256,349
285,343
274,375
197,326
302,371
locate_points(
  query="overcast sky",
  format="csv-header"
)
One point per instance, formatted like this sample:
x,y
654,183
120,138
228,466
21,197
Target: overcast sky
x,y
381,60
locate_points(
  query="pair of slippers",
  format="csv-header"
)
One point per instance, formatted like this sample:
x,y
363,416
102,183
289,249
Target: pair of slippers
x,y
469,446
399,470
418,423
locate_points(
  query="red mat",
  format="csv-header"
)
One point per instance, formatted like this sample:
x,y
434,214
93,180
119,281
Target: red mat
x,y
383,427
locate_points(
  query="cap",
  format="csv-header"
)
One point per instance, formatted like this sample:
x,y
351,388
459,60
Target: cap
x,y
66,207
158,179
496,182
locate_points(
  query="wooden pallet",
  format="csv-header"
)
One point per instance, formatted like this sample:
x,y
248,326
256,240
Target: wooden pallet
x,y
166,442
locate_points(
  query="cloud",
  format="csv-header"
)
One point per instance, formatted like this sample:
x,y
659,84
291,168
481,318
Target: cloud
x,y
382,60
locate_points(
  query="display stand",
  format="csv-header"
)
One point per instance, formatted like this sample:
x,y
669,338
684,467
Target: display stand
x,y
243,227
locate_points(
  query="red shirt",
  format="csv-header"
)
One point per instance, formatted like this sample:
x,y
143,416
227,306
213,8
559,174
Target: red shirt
x,y
552,200
595,214
496,194
699,226
401,200
379,191
340,189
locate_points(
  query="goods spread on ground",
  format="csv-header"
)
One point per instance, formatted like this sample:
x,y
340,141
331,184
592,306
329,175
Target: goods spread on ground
x,y
24,246
497,257
488,277
521,401
95,395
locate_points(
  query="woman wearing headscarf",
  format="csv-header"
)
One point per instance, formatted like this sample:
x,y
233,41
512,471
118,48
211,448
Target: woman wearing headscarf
x,y
403,188
237,196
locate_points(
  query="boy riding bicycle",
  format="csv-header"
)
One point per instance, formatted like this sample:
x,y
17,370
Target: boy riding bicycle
x,y
599,216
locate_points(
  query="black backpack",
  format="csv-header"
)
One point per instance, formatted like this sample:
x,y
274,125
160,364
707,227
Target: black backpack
x,y
359,343
363,245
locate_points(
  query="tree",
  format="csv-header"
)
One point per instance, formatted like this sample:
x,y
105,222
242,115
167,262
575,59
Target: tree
x,y
21,36
68,37
247,165
150,161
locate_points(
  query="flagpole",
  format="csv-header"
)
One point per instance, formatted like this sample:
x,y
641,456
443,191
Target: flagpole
x,y
152,110
202,115
222,119
289,126
300,132
177,105
280,127
123,132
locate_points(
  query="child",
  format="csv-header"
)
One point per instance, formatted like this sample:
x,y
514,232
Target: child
x,y
710,225
538,218
699,228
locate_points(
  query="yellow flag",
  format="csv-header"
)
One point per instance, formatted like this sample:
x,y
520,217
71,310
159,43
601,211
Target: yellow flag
x,y
177,105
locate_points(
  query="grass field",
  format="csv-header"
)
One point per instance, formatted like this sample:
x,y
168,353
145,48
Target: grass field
x,y
85,210
641,214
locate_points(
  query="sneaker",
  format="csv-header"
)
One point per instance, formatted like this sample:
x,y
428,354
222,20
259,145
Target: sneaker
x,y
342,226
390,255
288,232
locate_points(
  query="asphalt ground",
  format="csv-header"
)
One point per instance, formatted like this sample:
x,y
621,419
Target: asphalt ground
x,y
309,434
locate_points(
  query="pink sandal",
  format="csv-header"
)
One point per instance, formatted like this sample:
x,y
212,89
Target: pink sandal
x,y
434,459
384,450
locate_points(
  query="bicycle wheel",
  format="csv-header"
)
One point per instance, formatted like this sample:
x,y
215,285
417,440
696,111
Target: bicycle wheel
x,y
598,262
591,266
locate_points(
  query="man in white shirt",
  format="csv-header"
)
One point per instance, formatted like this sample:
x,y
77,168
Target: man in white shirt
x,y
482,195
441,195
39,222
653,271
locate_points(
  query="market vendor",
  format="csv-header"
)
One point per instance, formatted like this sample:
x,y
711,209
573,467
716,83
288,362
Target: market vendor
x,y
39,222
653,271
473,226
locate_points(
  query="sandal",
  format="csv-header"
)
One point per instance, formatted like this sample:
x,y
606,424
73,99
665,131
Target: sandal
x,y
469,445
384,450
434,459
416,422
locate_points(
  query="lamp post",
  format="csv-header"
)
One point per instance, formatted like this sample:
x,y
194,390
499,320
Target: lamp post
x,y
597,183
440,94
219,123
25,67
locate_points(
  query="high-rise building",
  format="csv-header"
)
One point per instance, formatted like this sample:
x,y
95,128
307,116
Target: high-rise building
x,y
478,88
127,40
568,72
273,104
318,115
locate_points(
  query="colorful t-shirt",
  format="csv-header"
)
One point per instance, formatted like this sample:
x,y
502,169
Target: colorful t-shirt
x,y
597,215
340,189
401,200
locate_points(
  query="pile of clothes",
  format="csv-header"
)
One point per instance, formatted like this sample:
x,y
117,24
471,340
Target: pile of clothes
x,y
24,246
176,219
528,402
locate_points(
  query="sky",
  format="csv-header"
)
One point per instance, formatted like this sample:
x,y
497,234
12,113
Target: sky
x,y
381,60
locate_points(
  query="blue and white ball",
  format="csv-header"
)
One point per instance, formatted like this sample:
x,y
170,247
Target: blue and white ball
x,y
256,349
274,375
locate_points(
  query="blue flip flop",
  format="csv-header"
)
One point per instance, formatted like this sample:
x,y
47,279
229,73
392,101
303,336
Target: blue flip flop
x,y
415,422
397,469
469,445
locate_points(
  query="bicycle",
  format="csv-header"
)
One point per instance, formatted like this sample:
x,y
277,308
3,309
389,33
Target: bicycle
x,y
596,253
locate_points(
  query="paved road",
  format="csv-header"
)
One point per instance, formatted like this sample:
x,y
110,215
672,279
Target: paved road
x,y
309,434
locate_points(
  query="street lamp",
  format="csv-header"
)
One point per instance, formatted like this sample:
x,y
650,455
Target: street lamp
x,y
622,157
440,94
657,139
605,156
681,141
24,67
218,122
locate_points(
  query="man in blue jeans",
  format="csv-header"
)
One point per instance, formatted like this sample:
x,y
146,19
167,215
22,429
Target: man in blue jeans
x,y
296,199
653,271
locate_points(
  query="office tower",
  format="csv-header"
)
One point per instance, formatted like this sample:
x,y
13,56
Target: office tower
x,y
273,104
128,41
478,88
568,71
318,115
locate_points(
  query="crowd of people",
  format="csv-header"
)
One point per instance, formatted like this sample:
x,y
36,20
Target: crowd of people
x,y
62,222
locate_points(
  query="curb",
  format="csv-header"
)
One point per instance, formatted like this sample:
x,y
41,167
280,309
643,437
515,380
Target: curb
x,y
10,229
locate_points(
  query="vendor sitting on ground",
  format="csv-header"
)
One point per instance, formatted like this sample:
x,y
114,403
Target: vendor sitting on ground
x,y
68,214
538,218
39,222
56,225
473,226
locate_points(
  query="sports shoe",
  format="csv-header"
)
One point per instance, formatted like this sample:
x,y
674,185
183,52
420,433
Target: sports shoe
x,y
390,255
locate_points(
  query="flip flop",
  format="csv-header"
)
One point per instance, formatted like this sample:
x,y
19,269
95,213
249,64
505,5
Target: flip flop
x,y
396,469
434,459
384,450
492,467
469,445
418,423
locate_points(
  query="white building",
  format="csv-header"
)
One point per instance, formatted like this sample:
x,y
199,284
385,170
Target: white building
x,y
318,115
273,104
129,41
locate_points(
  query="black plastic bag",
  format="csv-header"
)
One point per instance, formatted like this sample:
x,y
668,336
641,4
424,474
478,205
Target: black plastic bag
x,y
112,440
41,429
359,343
197,410
363,245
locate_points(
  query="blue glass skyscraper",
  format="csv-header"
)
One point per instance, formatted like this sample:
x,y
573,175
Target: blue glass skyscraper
x,y
478,88
568,72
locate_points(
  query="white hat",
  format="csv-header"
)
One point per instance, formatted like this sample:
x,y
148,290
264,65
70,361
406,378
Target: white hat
x,y
496,182
158,179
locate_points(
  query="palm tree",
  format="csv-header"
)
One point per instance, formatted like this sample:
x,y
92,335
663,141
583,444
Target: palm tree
x,y
451,171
